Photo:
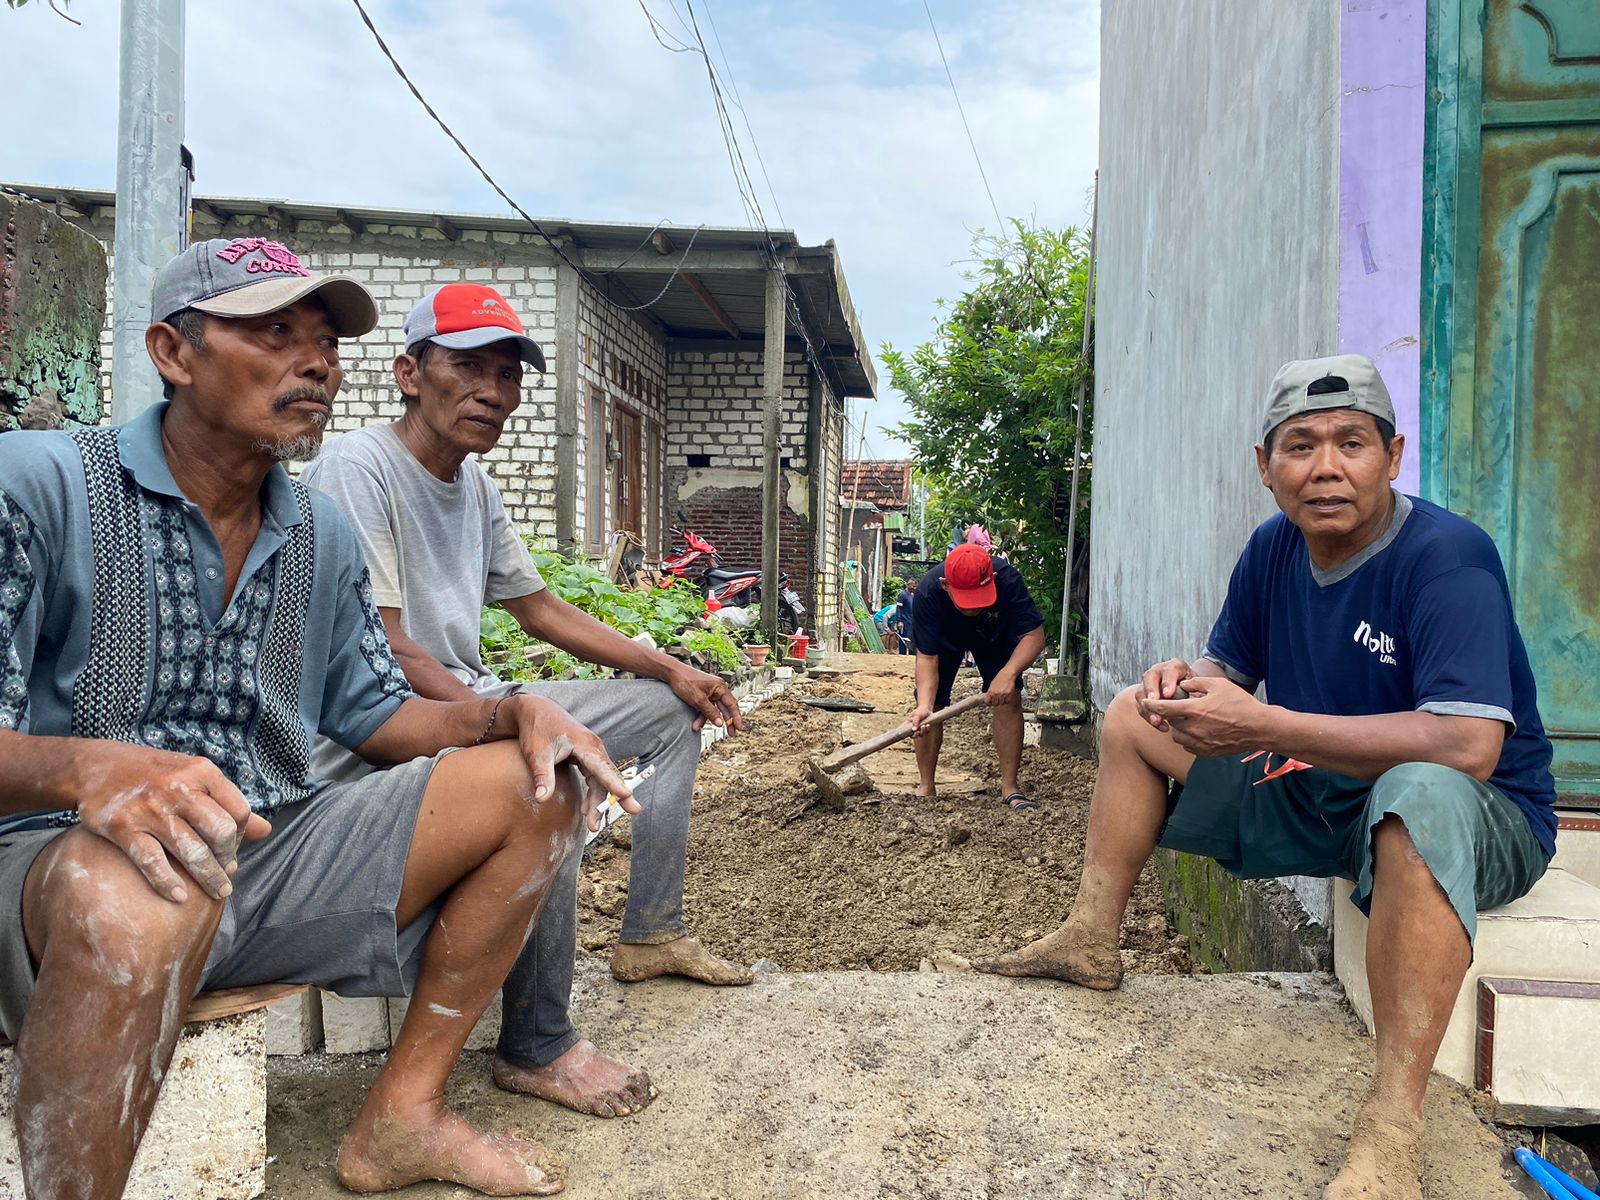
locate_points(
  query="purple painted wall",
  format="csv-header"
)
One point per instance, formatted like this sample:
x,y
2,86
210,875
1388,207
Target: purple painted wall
x,y
1383,72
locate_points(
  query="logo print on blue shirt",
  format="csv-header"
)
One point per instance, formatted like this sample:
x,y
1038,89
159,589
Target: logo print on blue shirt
x,y
1380,644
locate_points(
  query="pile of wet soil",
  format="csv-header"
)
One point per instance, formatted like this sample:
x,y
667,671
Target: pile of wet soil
x,y
893,880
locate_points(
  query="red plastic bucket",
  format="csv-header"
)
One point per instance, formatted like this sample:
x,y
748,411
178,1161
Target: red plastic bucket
x,y
799,643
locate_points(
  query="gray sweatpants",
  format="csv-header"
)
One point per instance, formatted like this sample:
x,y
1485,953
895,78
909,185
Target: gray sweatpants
x,y
635,719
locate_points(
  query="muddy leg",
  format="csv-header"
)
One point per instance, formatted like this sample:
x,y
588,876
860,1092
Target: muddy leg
x,y
1125,819
1417,956
1005,729
118,965
928,743
492,852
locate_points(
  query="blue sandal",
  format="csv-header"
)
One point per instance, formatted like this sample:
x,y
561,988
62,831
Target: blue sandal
x,y
1018,802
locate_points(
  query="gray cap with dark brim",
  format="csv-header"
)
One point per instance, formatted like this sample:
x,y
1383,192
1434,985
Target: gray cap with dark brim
x,y
1347,381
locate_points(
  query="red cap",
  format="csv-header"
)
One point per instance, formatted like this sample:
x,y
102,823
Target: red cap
x,y
969,574
465,316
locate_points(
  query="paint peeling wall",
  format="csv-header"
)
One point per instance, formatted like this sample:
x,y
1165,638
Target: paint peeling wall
x,y
52,308
1219,208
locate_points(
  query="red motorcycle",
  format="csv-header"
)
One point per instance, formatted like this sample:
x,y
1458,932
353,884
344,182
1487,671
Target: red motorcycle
x,y
697,560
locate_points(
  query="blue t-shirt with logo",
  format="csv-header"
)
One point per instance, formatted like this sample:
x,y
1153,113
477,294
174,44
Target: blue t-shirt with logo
x,y
1418,621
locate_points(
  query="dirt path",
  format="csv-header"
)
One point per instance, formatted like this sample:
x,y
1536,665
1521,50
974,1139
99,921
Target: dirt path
x,y
893,880
881,1086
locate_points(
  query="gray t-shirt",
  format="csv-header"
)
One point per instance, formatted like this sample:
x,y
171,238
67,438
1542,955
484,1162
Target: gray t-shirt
x,y
436,551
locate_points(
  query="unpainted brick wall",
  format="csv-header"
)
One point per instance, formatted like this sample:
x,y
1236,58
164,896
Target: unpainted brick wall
x,y
401,264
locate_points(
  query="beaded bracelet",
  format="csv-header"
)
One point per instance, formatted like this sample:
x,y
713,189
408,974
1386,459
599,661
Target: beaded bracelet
x,y
489,728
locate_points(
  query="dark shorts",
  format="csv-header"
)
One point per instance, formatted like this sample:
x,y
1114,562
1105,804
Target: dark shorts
x,y
1260,825
313,902
989,659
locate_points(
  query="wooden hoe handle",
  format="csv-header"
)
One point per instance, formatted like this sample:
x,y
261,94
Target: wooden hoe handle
x,y
899,733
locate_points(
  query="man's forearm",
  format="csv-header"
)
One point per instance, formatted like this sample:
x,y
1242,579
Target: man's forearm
x,y
569,628
427,676
1366,747
1023,656
927,678
420,728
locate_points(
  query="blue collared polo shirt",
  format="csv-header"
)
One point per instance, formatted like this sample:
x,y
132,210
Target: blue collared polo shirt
x,y
113,621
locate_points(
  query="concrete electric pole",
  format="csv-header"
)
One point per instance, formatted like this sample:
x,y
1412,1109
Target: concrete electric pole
x,y
152,188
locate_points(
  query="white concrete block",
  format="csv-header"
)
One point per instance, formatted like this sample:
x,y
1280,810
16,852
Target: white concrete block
x,y
208,1136
1550,934
484,1036
1578,844
294,1024
354,1026
1538,1045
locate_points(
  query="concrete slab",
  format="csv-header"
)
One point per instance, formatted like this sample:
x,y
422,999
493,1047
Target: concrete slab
x,y
938,1086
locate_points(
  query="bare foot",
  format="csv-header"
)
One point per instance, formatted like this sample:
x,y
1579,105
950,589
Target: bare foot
x,y
583,1080
1086,957
927,791
632,962
1385,1159
392,1151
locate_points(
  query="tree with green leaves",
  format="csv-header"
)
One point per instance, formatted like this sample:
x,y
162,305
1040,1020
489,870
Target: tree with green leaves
x,y
993,396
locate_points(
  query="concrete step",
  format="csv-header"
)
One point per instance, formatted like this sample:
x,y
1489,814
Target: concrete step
x,y
208,1136
1522,1029
1578,843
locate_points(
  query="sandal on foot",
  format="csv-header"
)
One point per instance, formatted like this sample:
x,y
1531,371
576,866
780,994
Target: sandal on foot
x,y
1018,802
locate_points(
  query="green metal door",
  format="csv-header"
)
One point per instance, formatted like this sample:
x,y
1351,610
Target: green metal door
x,y
1511,413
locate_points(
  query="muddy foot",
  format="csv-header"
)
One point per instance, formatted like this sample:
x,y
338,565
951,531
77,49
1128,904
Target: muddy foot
x,y
1385,1159
1087,957
633,962
583,1080
390,1152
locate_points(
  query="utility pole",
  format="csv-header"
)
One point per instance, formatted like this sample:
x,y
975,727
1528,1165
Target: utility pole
x,y
152,188
772,479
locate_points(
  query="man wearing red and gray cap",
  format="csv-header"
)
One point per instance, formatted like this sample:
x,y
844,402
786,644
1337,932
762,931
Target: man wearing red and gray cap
x,y
1402,747
178,620
973,604
440,546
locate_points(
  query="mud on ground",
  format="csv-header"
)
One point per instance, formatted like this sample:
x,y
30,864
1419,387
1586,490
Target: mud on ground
x,y
893,880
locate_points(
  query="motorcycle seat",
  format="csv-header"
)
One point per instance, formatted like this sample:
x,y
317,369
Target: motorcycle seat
x,y
722,574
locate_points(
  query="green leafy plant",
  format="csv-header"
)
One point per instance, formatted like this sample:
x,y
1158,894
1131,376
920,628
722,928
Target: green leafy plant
x,y
669,615
892,587
720,649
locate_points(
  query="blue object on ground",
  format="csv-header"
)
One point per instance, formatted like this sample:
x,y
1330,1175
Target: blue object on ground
x,y
1557,1183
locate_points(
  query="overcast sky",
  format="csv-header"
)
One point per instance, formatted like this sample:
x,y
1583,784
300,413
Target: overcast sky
x,y
580,113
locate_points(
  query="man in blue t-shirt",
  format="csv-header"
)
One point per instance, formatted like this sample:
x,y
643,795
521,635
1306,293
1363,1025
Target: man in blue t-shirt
x,y
1401,747
973,604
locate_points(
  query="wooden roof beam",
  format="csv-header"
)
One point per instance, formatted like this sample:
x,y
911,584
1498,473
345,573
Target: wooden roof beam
x,y
663,246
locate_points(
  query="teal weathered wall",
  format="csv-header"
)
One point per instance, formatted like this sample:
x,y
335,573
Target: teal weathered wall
x,y
52,308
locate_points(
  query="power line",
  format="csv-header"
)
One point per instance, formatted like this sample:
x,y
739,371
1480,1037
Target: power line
x,y
555,245
970,140
739,104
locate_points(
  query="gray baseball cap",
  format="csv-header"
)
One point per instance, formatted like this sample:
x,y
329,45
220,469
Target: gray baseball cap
x,y
1314,384
249,277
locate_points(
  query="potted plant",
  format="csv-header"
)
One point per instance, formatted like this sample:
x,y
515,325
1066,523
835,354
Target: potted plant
x,y
757,652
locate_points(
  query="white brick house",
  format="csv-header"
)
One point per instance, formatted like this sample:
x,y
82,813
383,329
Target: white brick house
x,y
653,402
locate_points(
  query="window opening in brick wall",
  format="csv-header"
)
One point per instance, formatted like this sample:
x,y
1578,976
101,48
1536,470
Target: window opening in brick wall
x,y
699,460
594,494
628,478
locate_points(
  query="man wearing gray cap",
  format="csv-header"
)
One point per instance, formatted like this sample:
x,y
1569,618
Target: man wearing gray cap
x,y
1402,747
178,620
440,546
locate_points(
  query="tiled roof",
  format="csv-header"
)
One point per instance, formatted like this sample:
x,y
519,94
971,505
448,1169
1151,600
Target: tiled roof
x,y
884,482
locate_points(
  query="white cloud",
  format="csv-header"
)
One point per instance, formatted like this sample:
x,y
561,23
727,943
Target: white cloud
x,y
581,113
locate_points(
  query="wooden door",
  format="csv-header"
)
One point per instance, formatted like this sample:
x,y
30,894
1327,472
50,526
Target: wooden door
x,y
627,508
1512,415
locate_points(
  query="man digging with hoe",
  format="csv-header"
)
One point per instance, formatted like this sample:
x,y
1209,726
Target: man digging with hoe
x,y
1402,747
177,620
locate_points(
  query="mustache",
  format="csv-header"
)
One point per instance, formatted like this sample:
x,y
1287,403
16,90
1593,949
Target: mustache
x,y
312,391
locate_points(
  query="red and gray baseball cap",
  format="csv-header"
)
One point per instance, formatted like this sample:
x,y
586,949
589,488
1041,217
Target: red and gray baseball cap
x,y
969,574
250,277
465,316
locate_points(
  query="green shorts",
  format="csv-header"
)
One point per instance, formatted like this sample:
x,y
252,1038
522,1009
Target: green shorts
x,y
1260,821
